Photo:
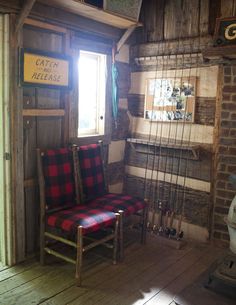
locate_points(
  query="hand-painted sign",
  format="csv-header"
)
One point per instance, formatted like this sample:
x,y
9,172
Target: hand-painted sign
x,y
45,69
225,32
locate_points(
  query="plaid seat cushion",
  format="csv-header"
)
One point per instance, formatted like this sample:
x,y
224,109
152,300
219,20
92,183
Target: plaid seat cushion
x,y
91,170
90,218
115,202
59,179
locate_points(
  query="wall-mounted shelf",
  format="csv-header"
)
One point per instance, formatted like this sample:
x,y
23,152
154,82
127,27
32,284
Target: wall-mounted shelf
x,y
92,12
164,144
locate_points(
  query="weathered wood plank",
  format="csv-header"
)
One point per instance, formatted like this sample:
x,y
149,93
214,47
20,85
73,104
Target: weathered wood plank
x,y
115,172
28,4
152,17
165,296
227,8
40,288
32,223
75,22
93,13
170,161
43,112
10,5
15,270
186,46
16,97
89,283
42,125
129,289
45,26
155,268
21,278
193,204
41,40
106,291
160,281
181,19
204,17
214,12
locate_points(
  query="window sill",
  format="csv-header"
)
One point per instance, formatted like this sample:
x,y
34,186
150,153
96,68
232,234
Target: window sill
x,y
85,140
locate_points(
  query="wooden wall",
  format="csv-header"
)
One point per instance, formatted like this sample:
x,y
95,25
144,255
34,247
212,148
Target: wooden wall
x,y
40,131
171,41
46,117
181,18
164,20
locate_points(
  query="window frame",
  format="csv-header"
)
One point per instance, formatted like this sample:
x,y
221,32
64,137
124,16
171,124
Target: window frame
x,y
73,116
100,98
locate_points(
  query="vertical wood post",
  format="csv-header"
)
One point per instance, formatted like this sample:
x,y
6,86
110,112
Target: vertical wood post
x,y
16,101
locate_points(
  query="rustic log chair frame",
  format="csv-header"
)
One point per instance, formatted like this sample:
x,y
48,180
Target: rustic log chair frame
x,y
143,214
78,245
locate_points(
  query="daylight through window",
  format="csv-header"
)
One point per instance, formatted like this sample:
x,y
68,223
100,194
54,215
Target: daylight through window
x,y
92,88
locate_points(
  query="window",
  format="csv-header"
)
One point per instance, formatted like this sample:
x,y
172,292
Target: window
x,y
92,93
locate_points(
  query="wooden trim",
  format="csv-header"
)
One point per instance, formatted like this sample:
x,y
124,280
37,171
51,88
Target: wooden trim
x,y
45,26
16,95
43,112
190,183
73,22
23,14
91,12
188,45
220,52
125,36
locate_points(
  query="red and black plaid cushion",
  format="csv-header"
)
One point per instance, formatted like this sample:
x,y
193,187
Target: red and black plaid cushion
x,y
116,202
91,170
91,219
59,178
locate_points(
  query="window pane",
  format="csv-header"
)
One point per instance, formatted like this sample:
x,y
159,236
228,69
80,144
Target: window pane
x,y
88,71
92,69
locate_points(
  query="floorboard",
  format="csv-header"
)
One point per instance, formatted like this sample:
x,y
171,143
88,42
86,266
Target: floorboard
x,y
150,274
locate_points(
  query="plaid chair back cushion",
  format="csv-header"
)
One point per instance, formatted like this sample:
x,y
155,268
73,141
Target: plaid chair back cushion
x,y
91,170
59,178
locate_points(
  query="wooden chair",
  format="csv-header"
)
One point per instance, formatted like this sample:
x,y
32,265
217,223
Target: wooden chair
x,y
62,218
94,188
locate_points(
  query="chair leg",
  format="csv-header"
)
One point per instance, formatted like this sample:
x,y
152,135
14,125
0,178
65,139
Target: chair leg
x,y
42,245
144,224
121,236
115,241
79,255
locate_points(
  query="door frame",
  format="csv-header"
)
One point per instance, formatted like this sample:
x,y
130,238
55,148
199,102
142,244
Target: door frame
x,y
6,232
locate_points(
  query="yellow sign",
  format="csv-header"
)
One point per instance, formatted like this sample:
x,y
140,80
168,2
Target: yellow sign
x,y
45,70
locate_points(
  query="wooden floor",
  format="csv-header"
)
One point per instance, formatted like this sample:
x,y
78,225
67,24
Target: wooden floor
x,y
150,274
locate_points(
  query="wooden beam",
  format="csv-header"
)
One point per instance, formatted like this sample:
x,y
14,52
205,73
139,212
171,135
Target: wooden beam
x,y
169,47
45,26
43,112
220,52
92,12
24,13
16,94
125,36
73,22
